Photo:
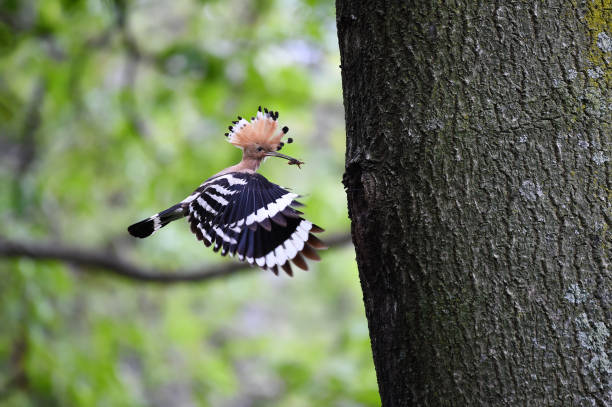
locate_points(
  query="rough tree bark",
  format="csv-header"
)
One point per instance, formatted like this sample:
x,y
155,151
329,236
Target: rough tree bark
x,y
478,182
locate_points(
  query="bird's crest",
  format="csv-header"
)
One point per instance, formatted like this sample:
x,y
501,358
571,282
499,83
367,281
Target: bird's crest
x,y
262,130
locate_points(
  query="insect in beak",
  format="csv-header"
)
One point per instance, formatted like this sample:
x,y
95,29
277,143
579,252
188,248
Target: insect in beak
x,y
292,161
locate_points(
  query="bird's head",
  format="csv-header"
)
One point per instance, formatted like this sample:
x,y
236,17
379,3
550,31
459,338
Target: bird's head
x,y
260,137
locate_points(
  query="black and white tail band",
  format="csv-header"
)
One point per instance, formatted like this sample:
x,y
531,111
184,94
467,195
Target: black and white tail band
x,y
152,224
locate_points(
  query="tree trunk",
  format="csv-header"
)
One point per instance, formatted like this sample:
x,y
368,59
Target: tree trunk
x,y
478,182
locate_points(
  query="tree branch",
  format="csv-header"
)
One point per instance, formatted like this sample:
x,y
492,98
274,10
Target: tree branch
x,y
101,261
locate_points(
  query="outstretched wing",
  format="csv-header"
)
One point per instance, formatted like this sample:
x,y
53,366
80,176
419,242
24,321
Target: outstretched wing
x,y
253,219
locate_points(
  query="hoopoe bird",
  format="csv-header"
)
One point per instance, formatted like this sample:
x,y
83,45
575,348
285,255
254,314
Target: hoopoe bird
x,y
240,212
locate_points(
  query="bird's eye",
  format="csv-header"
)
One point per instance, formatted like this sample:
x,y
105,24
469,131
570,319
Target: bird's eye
x,y
259,148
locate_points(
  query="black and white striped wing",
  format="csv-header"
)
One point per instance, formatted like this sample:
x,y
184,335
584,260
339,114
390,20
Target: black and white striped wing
x,y
253,219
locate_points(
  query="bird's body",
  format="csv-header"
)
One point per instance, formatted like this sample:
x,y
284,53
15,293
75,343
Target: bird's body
x,y
240,212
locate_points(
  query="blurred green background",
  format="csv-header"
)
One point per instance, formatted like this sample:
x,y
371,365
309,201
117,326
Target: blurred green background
x,y
113,110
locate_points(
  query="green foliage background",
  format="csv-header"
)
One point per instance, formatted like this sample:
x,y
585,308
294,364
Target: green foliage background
x,y
113,110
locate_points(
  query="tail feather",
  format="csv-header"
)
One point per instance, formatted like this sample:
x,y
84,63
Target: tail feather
x,y
153,223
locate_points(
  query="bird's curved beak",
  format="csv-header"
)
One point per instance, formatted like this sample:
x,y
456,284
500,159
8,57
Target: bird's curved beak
x,y
280,155
292,161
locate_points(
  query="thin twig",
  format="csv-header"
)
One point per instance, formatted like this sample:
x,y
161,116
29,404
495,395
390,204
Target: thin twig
x,y
101,261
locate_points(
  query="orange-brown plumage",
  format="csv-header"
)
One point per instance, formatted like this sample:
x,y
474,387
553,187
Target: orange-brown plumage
x,y
262,131
258,138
